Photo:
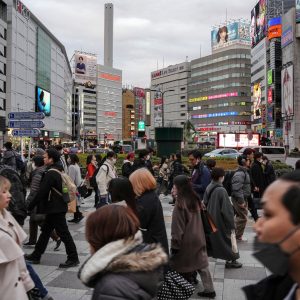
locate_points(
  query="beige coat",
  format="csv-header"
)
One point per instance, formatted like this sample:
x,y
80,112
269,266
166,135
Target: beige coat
x,y
187,237
15,280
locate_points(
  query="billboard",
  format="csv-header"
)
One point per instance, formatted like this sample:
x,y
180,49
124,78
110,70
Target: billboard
x,y
158,109
229,140
225,35
85,68
43,101
287,90
297,11
256,100
287,37
140,104
258,23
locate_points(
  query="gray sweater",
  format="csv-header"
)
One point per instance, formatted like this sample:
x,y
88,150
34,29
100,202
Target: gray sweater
x,y
241,184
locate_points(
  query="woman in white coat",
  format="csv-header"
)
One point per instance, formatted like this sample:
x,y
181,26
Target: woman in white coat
x,y
75,175
15,280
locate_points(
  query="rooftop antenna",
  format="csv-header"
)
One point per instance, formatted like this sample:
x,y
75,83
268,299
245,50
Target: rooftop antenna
x,y
163,61
226,16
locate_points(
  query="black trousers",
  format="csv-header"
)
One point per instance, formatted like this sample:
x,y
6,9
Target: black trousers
x,y
252,207
59,223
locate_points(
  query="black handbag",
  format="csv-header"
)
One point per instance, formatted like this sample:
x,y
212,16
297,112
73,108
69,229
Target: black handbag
x,y
82,190
175,287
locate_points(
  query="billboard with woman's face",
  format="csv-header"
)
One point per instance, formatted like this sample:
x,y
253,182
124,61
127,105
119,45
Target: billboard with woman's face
x,y
287,90
256,100
226,34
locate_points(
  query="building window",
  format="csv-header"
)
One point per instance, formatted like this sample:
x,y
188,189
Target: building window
x,y
182,105
2,68
2,50
182,97
182,114
2,86
182,89
182,123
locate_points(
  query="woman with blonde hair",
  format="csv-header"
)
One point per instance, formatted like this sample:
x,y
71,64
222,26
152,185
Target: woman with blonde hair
x,y
15,280
149,208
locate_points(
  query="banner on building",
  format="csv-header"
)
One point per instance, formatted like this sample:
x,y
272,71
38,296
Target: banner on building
x,y
85,69
258,23
287,90
158,109
297,11
256,100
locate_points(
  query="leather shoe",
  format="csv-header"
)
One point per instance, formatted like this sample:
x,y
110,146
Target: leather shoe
x,y
69,264
79,219
33,259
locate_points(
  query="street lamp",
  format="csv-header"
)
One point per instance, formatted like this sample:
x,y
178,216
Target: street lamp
x,y
163,104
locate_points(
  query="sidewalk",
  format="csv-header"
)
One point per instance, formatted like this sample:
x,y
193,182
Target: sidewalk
x,y
64,285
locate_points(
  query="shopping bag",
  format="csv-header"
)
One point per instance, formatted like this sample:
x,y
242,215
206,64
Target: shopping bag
x,y
72,206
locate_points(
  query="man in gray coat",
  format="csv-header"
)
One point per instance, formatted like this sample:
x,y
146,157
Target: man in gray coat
x,y
241,190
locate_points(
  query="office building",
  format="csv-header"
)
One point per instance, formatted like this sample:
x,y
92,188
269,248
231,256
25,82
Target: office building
x,y
290,78
38,73
169,96
219,94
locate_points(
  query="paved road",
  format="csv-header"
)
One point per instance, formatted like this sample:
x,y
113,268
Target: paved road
x,y
64,284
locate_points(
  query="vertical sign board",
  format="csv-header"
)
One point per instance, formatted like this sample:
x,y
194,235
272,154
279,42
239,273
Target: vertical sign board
x,y
287,90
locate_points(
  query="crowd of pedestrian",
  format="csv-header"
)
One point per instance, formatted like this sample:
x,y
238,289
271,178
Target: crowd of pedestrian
x,y
130,254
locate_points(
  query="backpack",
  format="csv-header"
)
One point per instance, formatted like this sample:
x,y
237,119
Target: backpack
x,y
69,189
227,183
93,181
19,162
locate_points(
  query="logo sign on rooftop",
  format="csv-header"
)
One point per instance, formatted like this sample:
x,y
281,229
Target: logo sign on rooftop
x,y
22,9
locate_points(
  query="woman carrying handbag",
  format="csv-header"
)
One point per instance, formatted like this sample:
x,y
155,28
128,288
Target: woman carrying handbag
x,y
188,246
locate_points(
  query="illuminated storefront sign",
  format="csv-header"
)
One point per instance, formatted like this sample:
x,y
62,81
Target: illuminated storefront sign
x,y
287,37
270,76
212,97
110,77
270,95
229,140
213,115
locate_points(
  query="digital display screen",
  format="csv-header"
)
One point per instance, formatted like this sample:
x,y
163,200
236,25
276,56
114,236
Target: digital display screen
x,y
43,101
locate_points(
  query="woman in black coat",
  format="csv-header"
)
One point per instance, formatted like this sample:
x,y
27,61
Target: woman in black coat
x,y
149,208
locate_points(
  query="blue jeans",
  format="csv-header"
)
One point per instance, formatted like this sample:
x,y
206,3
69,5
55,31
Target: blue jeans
x,y
37,281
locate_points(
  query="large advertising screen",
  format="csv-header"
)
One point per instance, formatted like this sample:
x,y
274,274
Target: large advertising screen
x,y
225,35
85,68
43,101
256,100
258,22
228,140
287,90
297,11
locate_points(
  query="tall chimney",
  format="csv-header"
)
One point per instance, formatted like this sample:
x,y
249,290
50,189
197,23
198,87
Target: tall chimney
x,y
108,34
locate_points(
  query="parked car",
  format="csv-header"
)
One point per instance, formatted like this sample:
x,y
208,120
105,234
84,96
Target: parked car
x,y
224,152
273,153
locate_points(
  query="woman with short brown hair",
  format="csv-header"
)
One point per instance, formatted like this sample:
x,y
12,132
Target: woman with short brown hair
x,y
149,208
121,266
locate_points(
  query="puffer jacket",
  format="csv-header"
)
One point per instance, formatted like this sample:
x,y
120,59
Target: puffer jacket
x,y
47,200
9,159
124,269
241,184
36,178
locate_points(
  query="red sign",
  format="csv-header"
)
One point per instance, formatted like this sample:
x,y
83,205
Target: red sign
x,y
110,77
158,101
110,114
270,95
274,31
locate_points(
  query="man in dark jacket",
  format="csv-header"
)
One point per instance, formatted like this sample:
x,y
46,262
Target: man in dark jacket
x,y
201,176
51,203
9,156
140,162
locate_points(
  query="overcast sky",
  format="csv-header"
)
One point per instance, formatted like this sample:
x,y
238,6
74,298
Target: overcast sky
x,y
146,32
